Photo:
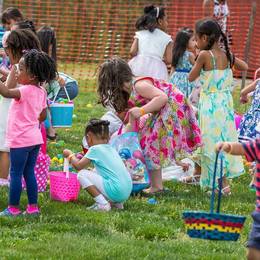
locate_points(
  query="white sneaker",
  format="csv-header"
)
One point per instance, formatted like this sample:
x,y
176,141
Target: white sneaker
x,y
100,207
118,205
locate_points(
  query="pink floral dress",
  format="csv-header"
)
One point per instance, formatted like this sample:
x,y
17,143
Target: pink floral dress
x,y
174,129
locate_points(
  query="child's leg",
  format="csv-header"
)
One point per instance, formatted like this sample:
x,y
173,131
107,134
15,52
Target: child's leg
x,y
29,176
253,254
4,165
51,133
93,183
18,159
156,180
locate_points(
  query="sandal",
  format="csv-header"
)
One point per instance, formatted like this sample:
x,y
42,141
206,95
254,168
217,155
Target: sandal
x,y
225,191
52,137
194,179
149,193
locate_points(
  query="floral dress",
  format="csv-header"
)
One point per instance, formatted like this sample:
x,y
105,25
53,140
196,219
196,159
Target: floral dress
x,y
180,76
174,129
216,120
247,128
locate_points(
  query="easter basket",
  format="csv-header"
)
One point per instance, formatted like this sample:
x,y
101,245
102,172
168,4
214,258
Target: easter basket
x,y
128,146
214,225
61,111
64,186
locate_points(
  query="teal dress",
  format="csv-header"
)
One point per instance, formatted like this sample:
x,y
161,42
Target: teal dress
x,y
180,76
216,120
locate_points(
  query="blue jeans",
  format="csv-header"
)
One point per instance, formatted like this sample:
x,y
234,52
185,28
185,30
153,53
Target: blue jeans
x,y
23,161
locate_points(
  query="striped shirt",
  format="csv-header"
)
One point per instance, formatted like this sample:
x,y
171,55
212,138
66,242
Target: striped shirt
x,y
252,152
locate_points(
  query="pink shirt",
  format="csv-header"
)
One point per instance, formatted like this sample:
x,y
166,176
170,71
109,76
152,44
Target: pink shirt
x,y
23,127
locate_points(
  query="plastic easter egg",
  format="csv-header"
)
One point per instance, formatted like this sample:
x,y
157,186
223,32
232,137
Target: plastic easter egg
x,y
125,153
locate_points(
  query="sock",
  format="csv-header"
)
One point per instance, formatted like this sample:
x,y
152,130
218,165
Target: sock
x,y
32,209
14,210
101,199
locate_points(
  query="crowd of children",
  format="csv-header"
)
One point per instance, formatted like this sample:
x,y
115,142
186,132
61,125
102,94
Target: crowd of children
x,y
142,96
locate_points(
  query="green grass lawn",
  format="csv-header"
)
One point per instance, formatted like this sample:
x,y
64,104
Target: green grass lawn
x,y
141,231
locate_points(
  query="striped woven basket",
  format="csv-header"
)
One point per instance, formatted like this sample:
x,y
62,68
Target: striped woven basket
x,y
213,225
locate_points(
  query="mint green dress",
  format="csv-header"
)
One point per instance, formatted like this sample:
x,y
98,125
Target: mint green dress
x,y
216,120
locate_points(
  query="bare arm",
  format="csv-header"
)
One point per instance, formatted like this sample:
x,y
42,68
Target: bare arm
x,y
75,162
11,80
43,115
9,93
231,147
245,91
208,8
168,54
147,90
192,58
134,48
240,65
198,66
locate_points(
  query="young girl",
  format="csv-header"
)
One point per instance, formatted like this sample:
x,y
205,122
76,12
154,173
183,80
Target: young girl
x,y
10,16
252,152
24,136
16,42
170,125
152,47
47,39
216,114
110,183
247,128
183,60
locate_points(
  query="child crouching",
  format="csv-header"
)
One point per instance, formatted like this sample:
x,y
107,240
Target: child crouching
x,y
109,183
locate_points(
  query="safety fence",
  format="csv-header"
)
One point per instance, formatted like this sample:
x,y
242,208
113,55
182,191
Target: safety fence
x,y
89,31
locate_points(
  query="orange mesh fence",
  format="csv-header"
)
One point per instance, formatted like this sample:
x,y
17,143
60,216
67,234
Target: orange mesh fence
x,y
89,31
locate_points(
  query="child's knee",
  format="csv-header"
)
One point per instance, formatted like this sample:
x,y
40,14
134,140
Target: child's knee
x,y
83,179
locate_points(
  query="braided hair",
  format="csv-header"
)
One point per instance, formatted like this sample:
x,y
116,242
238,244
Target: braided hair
x,y
112,76
98,127
149,20
40,65
212,29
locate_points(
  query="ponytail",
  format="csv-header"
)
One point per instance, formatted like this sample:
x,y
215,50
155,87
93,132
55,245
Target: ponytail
x,y
230,57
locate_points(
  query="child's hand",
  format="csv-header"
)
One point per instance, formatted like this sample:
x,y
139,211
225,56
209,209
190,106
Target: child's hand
x,y
185,166
135,112
67,153
61,82
223,146
243,98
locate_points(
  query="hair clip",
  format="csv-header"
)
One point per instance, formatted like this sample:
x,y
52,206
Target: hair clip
x,y
157,12
24,51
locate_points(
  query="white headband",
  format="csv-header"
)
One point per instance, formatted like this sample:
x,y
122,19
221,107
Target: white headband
x,y
157,12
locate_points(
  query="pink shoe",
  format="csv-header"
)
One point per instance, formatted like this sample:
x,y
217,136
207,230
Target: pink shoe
x,y
32,211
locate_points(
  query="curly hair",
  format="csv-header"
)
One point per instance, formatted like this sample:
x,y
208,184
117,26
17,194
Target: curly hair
x,y
40,65
112,76
98,127
20,40
212,29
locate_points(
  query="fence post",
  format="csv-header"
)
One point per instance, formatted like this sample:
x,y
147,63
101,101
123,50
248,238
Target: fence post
x,y
248,41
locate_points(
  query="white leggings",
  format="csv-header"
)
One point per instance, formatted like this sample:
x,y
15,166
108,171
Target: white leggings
x,y
89,178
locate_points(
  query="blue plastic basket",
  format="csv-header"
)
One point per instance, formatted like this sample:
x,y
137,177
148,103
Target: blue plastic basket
x,y
138,187
213,225
61,113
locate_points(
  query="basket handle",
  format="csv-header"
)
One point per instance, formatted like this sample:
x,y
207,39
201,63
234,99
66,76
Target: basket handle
x,y
66,92
66,168
135,126
218,154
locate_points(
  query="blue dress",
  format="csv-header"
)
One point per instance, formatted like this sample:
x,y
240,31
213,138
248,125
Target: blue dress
x,y
247,128
180,77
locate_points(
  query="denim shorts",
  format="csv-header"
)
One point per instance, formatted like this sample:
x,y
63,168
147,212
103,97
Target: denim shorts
x,y
72,89
254,237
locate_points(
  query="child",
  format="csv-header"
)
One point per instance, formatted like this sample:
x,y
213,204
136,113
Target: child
x,y
24,136
183,60
247,128
251,150
10,16
171,126
15,44
55,88
110,181
152,47
216,114
26,24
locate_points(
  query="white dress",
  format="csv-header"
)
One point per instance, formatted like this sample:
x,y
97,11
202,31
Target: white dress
x,y
4,108
149,59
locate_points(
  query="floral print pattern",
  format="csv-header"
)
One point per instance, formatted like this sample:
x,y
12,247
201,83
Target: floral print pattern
x,y
172,130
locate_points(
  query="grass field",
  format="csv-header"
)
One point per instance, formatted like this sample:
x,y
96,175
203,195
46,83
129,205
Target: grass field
x,y
141,231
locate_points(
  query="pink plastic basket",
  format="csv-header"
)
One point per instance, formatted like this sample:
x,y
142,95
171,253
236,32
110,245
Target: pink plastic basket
x,y
64,187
